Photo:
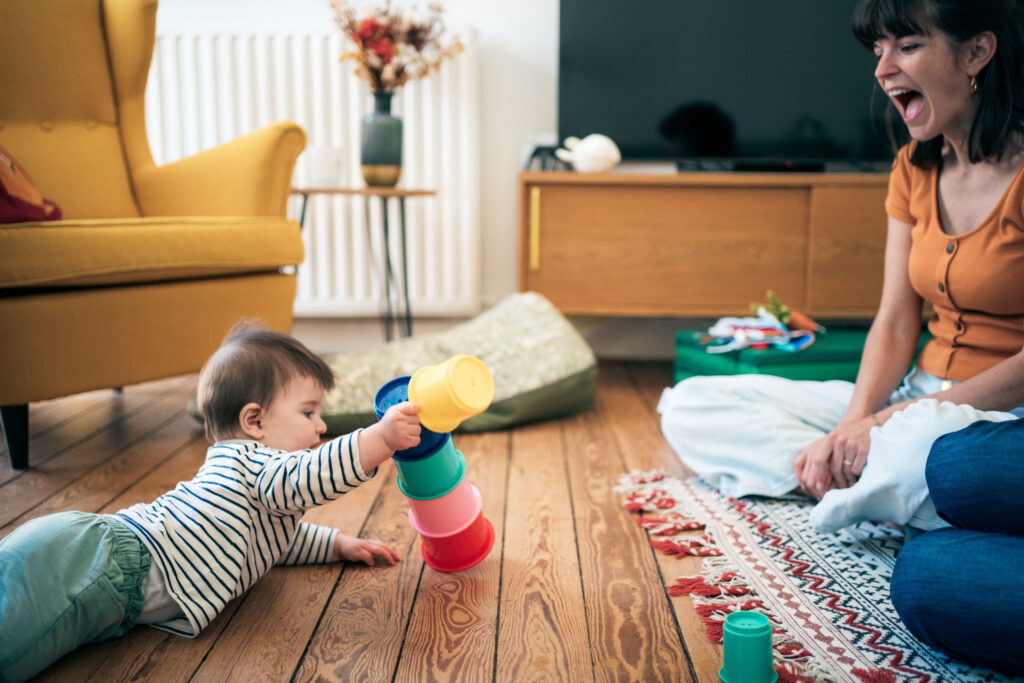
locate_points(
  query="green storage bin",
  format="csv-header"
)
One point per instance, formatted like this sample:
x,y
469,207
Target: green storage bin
x,y
833,355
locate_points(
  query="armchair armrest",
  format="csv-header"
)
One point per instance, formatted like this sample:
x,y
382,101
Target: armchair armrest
x,y
248,176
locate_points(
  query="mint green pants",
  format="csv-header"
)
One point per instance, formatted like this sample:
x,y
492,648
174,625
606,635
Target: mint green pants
x,y
66,579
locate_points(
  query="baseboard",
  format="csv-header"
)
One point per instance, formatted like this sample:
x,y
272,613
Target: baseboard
x,y
340,335
618,338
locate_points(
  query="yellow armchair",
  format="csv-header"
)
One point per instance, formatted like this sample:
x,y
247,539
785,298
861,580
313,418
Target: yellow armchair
x,y
150,266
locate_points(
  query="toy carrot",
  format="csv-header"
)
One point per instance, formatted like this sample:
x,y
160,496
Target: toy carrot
x,y
800,321
793,320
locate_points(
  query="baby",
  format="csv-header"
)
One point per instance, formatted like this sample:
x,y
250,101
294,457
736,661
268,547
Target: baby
x,y
76,577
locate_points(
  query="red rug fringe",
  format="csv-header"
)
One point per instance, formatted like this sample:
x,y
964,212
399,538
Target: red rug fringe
x,y
670,525
694,585
788,674
750,605
713,628
696,547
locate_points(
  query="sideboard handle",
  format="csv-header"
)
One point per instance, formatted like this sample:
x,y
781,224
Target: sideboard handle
x,y
534,228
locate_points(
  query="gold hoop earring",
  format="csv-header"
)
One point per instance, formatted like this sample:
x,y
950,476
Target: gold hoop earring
x,y
974,84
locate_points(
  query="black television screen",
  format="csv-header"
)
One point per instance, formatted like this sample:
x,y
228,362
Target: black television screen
x,y
722,83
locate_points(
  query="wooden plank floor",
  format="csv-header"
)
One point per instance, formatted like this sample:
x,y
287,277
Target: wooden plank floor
x,y
572,590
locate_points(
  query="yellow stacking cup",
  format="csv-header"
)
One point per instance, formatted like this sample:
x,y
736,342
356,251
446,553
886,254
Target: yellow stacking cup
x,y
450,392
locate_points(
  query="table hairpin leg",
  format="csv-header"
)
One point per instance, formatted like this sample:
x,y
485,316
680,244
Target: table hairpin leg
x,y
396,297
389,273
405,270
395,315
380,271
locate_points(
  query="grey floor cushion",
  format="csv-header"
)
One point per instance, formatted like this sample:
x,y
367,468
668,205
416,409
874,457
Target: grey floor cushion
x,y
542,367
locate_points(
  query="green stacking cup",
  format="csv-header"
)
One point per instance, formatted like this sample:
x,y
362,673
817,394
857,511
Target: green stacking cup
x,y
747,651
432,475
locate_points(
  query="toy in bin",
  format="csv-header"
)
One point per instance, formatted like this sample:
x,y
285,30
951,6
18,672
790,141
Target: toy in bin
x,y
776,325
444,507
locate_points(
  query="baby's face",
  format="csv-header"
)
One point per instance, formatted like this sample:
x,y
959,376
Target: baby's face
x,y
292,421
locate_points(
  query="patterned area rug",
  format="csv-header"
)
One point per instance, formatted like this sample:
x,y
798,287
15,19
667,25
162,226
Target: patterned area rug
x,y
827,596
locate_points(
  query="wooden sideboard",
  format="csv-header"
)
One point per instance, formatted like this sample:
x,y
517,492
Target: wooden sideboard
x,y
702,244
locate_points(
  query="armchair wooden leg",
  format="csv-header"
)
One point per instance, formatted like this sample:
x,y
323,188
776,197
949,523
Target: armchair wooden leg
x,y
15,421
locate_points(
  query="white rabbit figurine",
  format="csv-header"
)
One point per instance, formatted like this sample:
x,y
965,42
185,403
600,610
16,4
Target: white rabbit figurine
x,y
593,154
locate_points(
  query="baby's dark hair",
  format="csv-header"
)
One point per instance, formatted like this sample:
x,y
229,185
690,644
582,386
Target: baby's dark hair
x,y
252,365
997,130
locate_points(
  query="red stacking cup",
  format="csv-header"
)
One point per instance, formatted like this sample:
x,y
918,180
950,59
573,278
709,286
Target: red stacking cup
x,y
461,550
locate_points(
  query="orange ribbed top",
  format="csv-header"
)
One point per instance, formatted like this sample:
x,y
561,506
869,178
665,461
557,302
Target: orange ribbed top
x,y
974,281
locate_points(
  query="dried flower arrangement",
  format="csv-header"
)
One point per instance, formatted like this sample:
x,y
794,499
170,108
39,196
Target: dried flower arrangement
x,y
391,49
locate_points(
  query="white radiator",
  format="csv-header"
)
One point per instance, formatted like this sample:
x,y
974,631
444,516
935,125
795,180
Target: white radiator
x,y
206,89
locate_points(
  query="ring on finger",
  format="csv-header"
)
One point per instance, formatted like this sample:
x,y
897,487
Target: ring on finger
x,y
848,463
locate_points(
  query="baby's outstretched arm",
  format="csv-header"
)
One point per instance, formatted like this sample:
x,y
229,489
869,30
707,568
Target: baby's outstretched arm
x,y
363,550
317,544
398,430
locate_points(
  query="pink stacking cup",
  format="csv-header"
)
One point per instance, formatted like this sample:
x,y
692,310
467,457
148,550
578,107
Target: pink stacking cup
x,y
459,551
449,514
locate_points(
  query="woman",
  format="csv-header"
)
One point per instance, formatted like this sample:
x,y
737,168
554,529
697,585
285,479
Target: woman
x,y
953,72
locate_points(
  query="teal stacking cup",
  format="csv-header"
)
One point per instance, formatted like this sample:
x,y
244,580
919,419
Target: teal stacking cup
x,y
431,475
747,651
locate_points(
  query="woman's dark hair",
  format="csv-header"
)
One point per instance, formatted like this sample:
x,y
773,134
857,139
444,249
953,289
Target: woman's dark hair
x,y
998,123
252,365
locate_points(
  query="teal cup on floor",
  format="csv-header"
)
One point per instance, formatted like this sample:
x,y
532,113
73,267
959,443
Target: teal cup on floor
x,y
432,475
747,649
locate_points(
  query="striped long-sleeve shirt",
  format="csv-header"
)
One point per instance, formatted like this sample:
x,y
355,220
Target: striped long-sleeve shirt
x,y
213,537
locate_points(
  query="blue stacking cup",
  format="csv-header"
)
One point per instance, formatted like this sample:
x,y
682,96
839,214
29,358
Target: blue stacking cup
x,y
397,391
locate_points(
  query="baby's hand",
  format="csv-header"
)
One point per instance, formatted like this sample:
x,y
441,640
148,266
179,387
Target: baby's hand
x,y
400,426
364,550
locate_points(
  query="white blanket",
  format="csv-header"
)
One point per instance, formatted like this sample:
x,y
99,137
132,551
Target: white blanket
x,y
892,486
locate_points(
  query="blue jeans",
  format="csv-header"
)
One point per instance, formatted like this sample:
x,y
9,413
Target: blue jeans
x,y
961,590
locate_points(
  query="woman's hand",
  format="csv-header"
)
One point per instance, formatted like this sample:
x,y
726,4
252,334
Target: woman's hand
x,y
363,550
836,459
817,451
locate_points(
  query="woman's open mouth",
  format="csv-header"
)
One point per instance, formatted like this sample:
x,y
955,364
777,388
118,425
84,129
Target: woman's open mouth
x,y
909,102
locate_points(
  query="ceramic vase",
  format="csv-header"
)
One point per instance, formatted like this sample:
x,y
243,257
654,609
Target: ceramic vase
x,y
381,152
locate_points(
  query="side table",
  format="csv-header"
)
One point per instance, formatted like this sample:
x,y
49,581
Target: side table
x,y
388,314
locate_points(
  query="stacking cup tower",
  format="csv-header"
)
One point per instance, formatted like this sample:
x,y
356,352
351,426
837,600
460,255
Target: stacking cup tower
x,y
444,507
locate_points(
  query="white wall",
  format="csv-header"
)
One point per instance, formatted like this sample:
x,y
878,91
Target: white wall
x,y
519,69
